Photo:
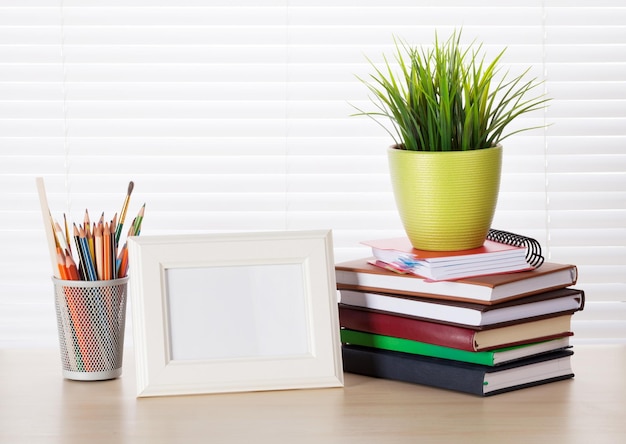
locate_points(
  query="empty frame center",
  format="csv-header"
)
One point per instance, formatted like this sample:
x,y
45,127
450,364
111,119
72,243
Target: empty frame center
x,y
243,311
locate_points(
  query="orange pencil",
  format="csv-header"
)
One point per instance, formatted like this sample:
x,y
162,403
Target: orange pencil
x,y
125,270
72,270
122,261
61,265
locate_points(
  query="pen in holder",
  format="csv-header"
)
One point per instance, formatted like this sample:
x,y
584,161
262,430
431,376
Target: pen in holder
x,y
91,316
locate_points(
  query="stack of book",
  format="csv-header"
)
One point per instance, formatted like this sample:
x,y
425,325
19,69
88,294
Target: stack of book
x,y
484,332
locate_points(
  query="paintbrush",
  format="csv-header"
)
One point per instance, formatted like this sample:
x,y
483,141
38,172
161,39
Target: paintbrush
x,y
118,229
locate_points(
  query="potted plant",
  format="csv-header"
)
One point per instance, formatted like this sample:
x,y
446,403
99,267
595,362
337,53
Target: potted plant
x,y
449,111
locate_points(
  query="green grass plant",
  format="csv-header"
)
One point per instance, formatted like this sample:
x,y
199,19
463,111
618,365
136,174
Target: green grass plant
x,y
448,97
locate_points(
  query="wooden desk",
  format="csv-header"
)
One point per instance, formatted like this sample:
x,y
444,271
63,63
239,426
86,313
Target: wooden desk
x,y
38,406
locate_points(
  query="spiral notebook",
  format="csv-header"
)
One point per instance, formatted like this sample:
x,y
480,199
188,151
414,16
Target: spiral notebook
x,y
534,255
502,252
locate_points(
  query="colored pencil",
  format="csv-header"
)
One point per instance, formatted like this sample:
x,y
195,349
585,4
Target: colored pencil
x,y
113,247
106,255
61,265
96,253
88,269
99,250
60,237
138,220
122,258
89,237
70,265
81,259
91,269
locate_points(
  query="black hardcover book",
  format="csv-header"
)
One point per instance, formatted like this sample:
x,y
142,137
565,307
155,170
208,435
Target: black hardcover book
x,y
458,376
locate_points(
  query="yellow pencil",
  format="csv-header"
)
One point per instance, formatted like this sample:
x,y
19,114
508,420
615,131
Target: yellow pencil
x,y
99,251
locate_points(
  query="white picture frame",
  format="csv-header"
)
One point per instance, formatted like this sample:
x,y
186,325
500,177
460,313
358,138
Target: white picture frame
x,y
234,312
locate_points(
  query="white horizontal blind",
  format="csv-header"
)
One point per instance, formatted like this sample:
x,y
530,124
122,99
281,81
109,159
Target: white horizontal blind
x,y
586,156
234,115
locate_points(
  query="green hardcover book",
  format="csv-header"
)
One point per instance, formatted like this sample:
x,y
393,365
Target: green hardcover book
x,y
489,358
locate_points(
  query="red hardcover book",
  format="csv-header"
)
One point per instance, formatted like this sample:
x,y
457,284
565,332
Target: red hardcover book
x,y
455,336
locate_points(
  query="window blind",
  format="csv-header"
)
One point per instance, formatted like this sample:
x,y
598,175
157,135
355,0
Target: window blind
x,y
235,116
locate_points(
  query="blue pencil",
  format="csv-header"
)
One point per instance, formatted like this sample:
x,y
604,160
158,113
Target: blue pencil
x,y
85,256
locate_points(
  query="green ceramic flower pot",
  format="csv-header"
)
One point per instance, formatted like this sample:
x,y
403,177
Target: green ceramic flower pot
x,y
446,200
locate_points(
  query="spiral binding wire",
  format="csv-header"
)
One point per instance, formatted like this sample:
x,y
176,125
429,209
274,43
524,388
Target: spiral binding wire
x,y
534,255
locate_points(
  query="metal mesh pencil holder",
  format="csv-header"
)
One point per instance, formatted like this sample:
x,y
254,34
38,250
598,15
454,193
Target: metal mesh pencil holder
x,y
91,316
